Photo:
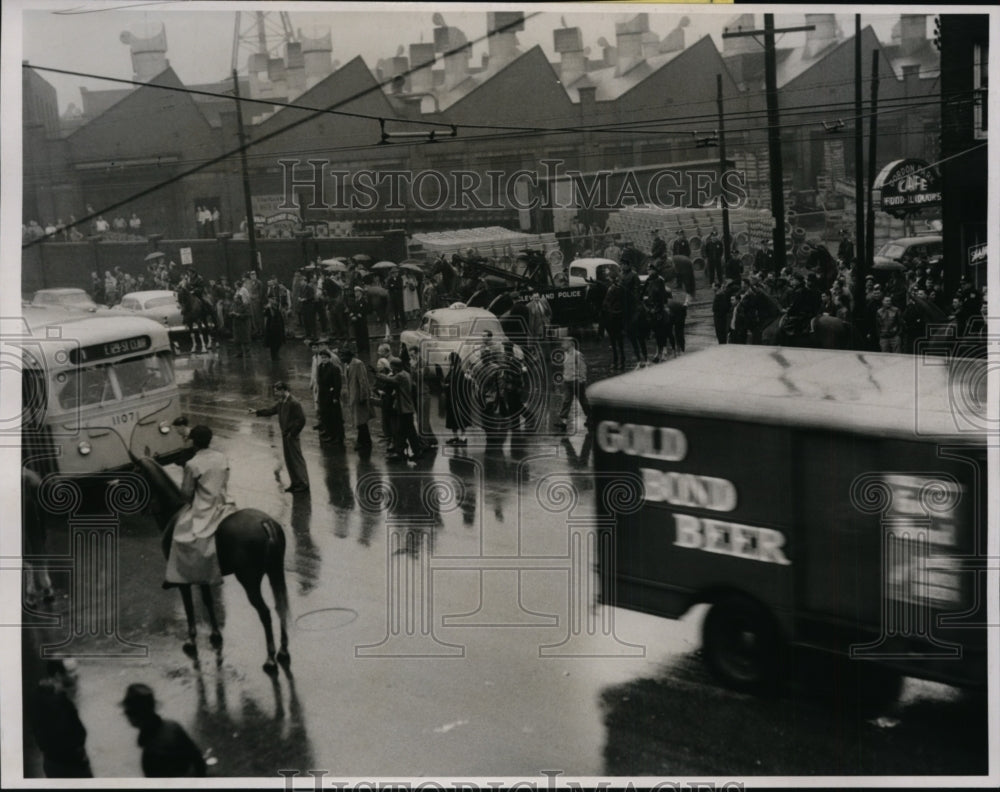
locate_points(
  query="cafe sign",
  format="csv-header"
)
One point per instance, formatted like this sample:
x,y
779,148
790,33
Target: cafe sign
x,y
906,186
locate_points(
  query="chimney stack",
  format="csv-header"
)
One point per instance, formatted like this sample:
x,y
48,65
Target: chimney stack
x,y
573,60
149,55
317,53
503,46
296,68
825,34
629,40
912,33
456,64
422,76
674,40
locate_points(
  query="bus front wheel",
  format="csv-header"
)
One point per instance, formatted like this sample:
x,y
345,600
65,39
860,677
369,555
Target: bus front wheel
x,y
741,645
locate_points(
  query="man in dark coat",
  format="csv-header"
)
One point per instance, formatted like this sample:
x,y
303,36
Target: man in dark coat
x,y
681,246
845,250
677,311
329,381
167,750
274,328
714,251
720,311
359,311
292,420
659,249
633,314
406,430
684,268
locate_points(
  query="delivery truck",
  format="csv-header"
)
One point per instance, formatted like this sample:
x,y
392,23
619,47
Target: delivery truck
x,y
829,504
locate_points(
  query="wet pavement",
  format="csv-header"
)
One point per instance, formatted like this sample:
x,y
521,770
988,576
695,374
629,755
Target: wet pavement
x,y
442,625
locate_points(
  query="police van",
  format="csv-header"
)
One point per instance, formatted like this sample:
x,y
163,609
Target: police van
x,y
815,500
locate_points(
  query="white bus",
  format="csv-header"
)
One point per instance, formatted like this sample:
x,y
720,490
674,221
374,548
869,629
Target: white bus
x,y
93,385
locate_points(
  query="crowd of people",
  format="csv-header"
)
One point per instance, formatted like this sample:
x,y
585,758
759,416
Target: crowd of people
x,y
119,228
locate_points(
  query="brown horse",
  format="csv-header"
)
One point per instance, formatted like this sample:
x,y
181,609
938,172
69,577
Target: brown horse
x,y
250,544
198,315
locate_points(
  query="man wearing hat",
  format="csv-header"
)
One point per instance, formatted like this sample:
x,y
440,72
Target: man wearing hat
x,y
167,750
845,250
359,310
329,382
192,558
714,251
681,246
292,420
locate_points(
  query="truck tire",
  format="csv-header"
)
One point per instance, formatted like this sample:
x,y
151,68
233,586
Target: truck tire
x,y
742,645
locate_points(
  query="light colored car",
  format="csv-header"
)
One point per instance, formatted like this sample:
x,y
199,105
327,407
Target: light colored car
x,y
454,329
160,305
583,270
76,299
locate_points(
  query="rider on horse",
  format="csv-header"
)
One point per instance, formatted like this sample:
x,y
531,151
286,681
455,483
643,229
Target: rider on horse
x,y
804,305
192,558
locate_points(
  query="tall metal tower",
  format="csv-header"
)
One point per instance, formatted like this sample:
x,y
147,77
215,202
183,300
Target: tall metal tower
x,y
260,33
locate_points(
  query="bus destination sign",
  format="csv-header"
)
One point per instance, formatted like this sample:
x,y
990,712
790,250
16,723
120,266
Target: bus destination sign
x,y
110,349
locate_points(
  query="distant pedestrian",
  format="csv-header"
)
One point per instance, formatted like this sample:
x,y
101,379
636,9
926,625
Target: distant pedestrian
x,y
455,399
167,750
574,382
329,382
274,328
359,396
890,327
292,420
359,311
406,431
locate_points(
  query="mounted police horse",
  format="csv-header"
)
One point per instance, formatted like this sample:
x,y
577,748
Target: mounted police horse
x,y
249,543
198,315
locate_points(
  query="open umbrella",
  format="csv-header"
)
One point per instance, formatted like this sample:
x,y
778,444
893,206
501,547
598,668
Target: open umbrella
x,y
383,266
410,266
888,265
333,260
333,265
155,255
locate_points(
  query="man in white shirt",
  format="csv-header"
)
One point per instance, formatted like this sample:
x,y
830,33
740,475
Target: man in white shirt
x,y
574,382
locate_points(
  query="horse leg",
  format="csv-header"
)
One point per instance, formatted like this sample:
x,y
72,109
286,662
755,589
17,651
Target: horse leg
x,y
190,647
250,580
276,577
206,597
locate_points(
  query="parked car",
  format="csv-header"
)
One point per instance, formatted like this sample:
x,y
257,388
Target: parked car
x,y
160,305
76,299
909,250
457,328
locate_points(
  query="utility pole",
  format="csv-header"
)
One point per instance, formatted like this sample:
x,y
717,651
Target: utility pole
x,y
872,146
247,200
859,195
773,127
726,243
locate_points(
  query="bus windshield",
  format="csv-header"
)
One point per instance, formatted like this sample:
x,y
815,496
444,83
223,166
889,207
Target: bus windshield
x,y
96,385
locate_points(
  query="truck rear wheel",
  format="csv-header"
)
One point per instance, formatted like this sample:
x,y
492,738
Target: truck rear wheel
x,y
741,645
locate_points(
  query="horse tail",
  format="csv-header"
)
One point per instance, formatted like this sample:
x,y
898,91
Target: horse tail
x,y
276,565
